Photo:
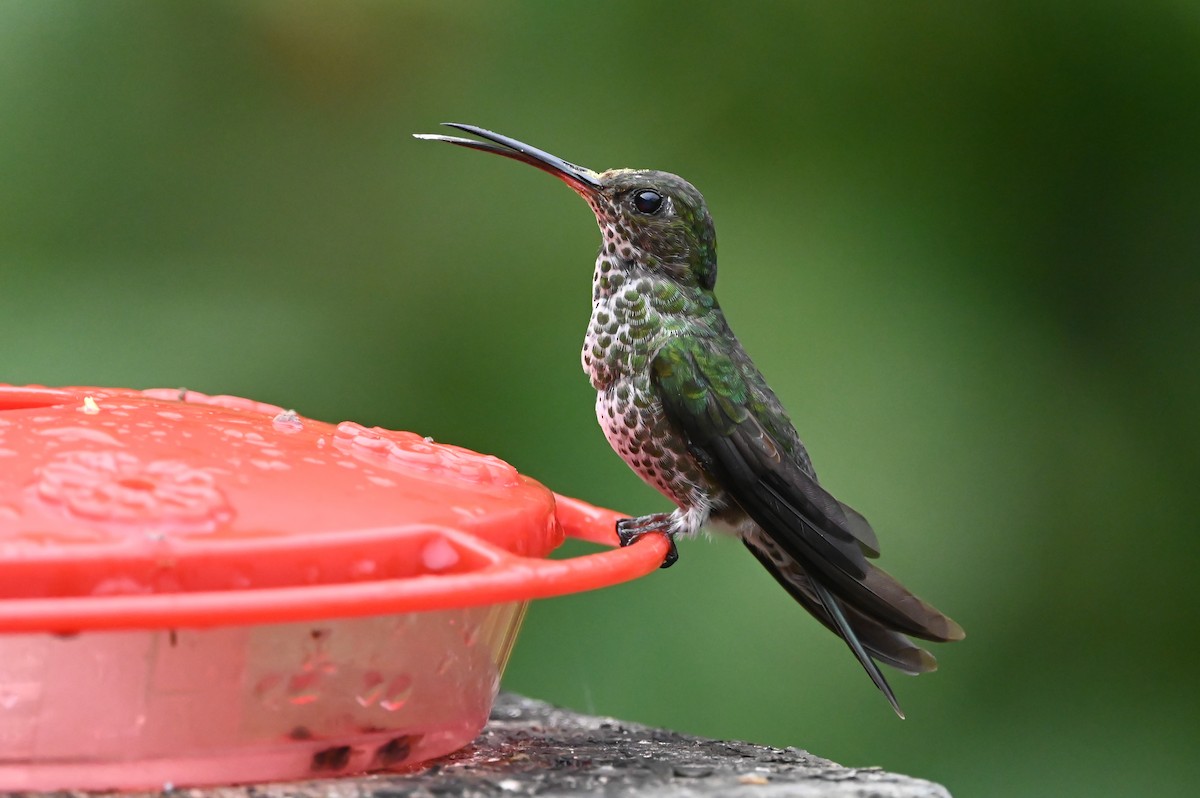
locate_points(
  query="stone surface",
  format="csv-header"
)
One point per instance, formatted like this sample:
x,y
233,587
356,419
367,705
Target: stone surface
x,y
532,748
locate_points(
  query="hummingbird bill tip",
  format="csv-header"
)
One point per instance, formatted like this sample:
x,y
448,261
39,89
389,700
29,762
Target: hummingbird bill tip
x,y
499,144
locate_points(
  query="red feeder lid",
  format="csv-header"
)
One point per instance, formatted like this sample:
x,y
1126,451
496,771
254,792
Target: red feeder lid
x,y
165,508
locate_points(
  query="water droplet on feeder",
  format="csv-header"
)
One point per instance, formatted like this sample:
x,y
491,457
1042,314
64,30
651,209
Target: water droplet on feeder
x,y
288,421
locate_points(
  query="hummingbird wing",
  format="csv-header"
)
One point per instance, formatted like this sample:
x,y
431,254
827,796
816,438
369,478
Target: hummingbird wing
x,y
705,393
739,434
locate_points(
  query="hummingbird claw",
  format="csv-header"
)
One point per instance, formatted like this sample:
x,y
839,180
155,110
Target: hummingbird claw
x,y
630,530
672,554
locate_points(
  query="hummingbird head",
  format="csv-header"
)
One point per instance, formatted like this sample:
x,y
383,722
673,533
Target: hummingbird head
x,y
655,219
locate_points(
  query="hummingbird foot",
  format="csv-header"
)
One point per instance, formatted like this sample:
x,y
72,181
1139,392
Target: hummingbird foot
x,y
630,530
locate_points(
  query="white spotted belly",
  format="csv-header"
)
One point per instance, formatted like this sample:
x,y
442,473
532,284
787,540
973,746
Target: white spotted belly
x,y
636,429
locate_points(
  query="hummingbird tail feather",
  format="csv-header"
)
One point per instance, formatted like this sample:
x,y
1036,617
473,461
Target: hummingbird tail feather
x,y
847,633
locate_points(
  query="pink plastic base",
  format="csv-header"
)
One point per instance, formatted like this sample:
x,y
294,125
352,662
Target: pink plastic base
x,y
144,709
261,764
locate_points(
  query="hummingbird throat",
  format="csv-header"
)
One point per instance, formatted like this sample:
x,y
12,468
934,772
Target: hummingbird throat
x,y
636,309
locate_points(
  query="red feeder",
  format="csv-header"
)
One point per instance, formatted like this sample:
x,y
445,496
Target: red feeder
x,y
202,590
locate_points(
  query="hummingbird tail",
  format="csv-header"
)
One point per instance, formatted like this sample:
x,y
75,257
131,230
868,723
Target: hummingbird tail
x,y
870,638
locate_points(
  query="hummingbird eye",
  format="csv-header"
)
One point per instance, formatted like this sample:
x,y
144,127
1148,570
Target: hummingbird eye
x,y
647,201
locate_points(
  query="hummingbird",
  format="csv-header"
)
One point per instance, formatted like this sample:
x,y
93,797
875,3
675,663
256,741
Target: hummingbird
x,y
685,407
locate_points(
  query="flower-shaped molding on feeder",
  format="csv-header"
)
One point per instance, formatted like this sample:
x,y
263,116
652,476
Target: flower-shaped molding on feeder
x,y
204,589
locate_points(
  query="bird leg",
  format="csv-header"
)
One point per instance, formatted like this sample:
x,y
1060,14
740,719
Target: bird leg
x,y
629,530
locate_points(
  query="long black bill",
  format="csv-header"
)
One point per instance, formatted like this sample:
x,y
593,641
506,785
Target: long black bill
x,y
577,176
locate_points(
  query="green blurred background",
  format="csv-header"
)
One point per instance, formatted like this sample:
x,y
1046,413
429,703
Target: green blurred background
x,y
960,240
